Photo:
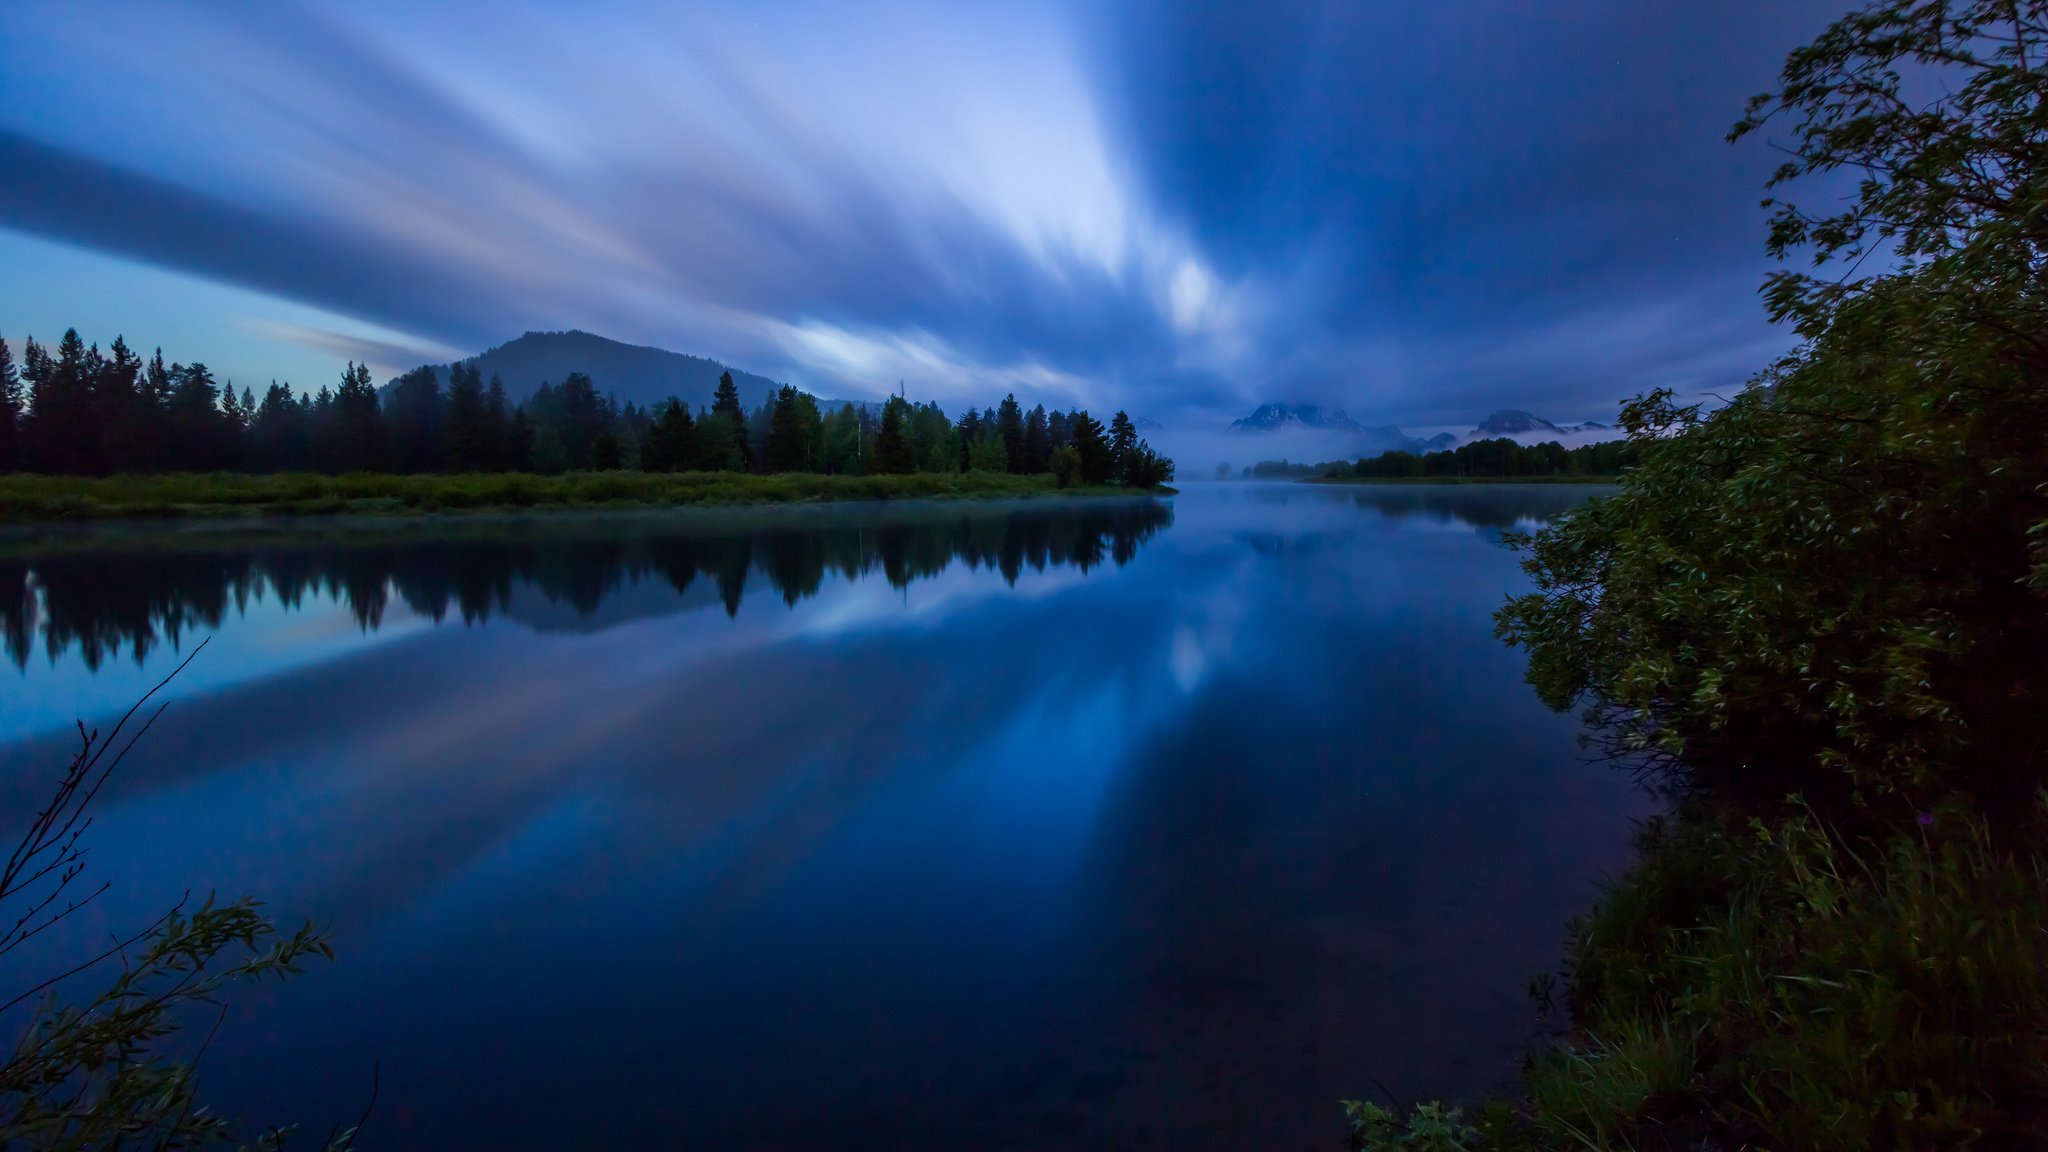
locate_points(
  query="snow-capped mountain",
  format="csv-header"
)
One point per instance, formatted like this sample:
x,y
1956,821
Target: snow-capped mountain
x,y
1281,417
1513,422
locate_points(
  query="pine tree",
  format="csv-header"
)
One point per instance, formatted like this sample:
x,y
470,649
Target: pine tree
x,y
1090,450
1010,426
725,402
892,448
1037,441
10,412
63,428
413,418
359,433
194,419
672,442
496,446
468,422
1123,446
785,434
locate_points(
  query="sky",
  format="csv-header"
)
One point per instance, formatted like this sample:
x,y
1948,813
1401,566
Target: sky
x,y
1417,212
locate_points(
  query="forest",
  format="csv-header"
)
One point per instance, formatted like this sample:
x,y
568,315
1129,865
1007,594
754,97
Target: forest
x,y
79,411
1497,459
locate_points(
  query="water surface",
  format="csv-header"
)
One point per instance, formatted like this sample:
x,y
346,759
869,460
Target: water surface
x,y
1044,825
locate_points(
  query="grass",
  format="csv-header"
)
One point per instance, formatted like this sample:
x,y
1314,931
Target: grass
x,y
1794,987
31,498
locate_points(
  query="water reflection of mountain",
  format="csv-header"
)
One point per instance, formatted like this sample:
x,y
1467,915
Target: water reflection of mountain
x,y
130,592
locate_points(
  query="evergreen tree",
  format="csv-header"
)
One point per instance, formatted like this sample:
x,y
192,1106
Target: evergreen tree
x,y
1037,441
672,442
360,439
786,448
10,412
725,403
496,445
468,424
63,428
277,434
519,442
605,454
1091,452
841,442
1010,425
969,434
413,418
1123,446
194,419
129,436
892,447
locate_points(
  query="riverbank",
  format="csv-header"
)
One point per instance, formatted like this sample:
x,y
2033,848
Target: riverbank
x,y
1777,981
222,495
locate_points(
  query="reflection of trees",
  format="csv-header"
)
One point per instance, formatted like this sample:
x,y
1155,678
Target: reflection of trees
x,y
132,598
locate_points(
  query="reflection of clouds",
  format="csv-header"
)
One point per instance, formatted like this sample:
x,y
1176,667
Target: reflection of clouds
x,y
861,604
1184,812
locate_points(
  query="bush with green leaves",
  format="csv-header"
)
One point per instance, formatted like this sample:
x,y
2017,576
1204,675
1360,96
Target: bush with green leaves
x,y
1846,566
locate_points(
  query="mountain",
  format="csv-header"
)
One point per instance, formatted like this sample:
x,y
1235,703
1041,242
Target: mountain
x,y
1514,423
1509,421
1279,417
631,372
1344,435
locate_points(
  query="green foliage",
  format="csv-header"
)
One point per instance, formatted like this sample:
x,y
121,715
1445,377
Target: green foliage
x,y
1428,1127
1844,566
1786,988
1501,458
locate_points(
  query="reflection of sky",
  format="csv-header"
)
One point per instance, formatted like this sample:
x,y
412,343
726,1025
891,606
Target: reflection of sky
x,y
946,863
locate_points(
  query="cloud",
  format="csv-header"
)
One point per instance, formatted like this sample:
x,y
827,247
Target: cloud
x,y
1179,210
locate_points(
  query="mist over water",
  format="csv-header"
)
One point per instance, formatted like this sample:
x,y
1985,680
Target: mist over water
x,y
1050,825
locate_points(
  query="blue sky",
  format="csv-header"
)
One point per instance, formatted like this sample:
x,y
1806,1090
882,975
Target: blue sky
x,y
1418,212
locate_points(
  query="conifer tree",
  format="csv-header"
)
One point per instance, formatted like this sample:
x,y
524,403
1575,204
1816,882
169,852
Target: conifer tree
x,y
1123,446
63,432
785,434
1091,452
359,433
496,446
1010,426
467,424
892,447
10,411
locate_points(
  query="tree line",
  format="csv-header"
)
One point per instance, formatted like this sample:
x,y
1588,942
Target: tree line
x,y
1503,457
80,411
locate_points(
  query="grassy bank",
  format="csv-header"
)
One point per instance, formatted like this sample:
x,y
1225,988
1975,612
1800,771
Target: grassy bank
x,y
29,498
1786,985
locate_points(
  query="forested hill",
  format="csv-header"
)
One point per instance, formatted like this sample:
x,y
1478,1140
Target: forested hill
x,y
632,373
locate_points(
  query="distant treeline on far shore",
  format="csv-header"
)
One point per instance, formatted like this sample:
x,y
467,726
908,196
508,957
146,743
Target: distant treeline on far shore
x,y
82,412
1481,459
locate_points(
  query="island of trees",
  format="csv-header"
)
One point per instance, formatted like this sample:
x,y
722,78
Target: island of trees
x,y
78,411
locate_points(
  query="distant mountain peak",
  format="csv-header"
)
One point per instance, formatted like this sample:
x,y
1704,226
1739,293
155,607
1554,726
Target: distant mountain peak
x,y
1273,417
1509,421
639,373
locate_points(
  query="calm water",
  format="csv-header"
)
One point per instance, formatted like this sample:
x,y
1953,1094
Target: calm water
x,y
1158,824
